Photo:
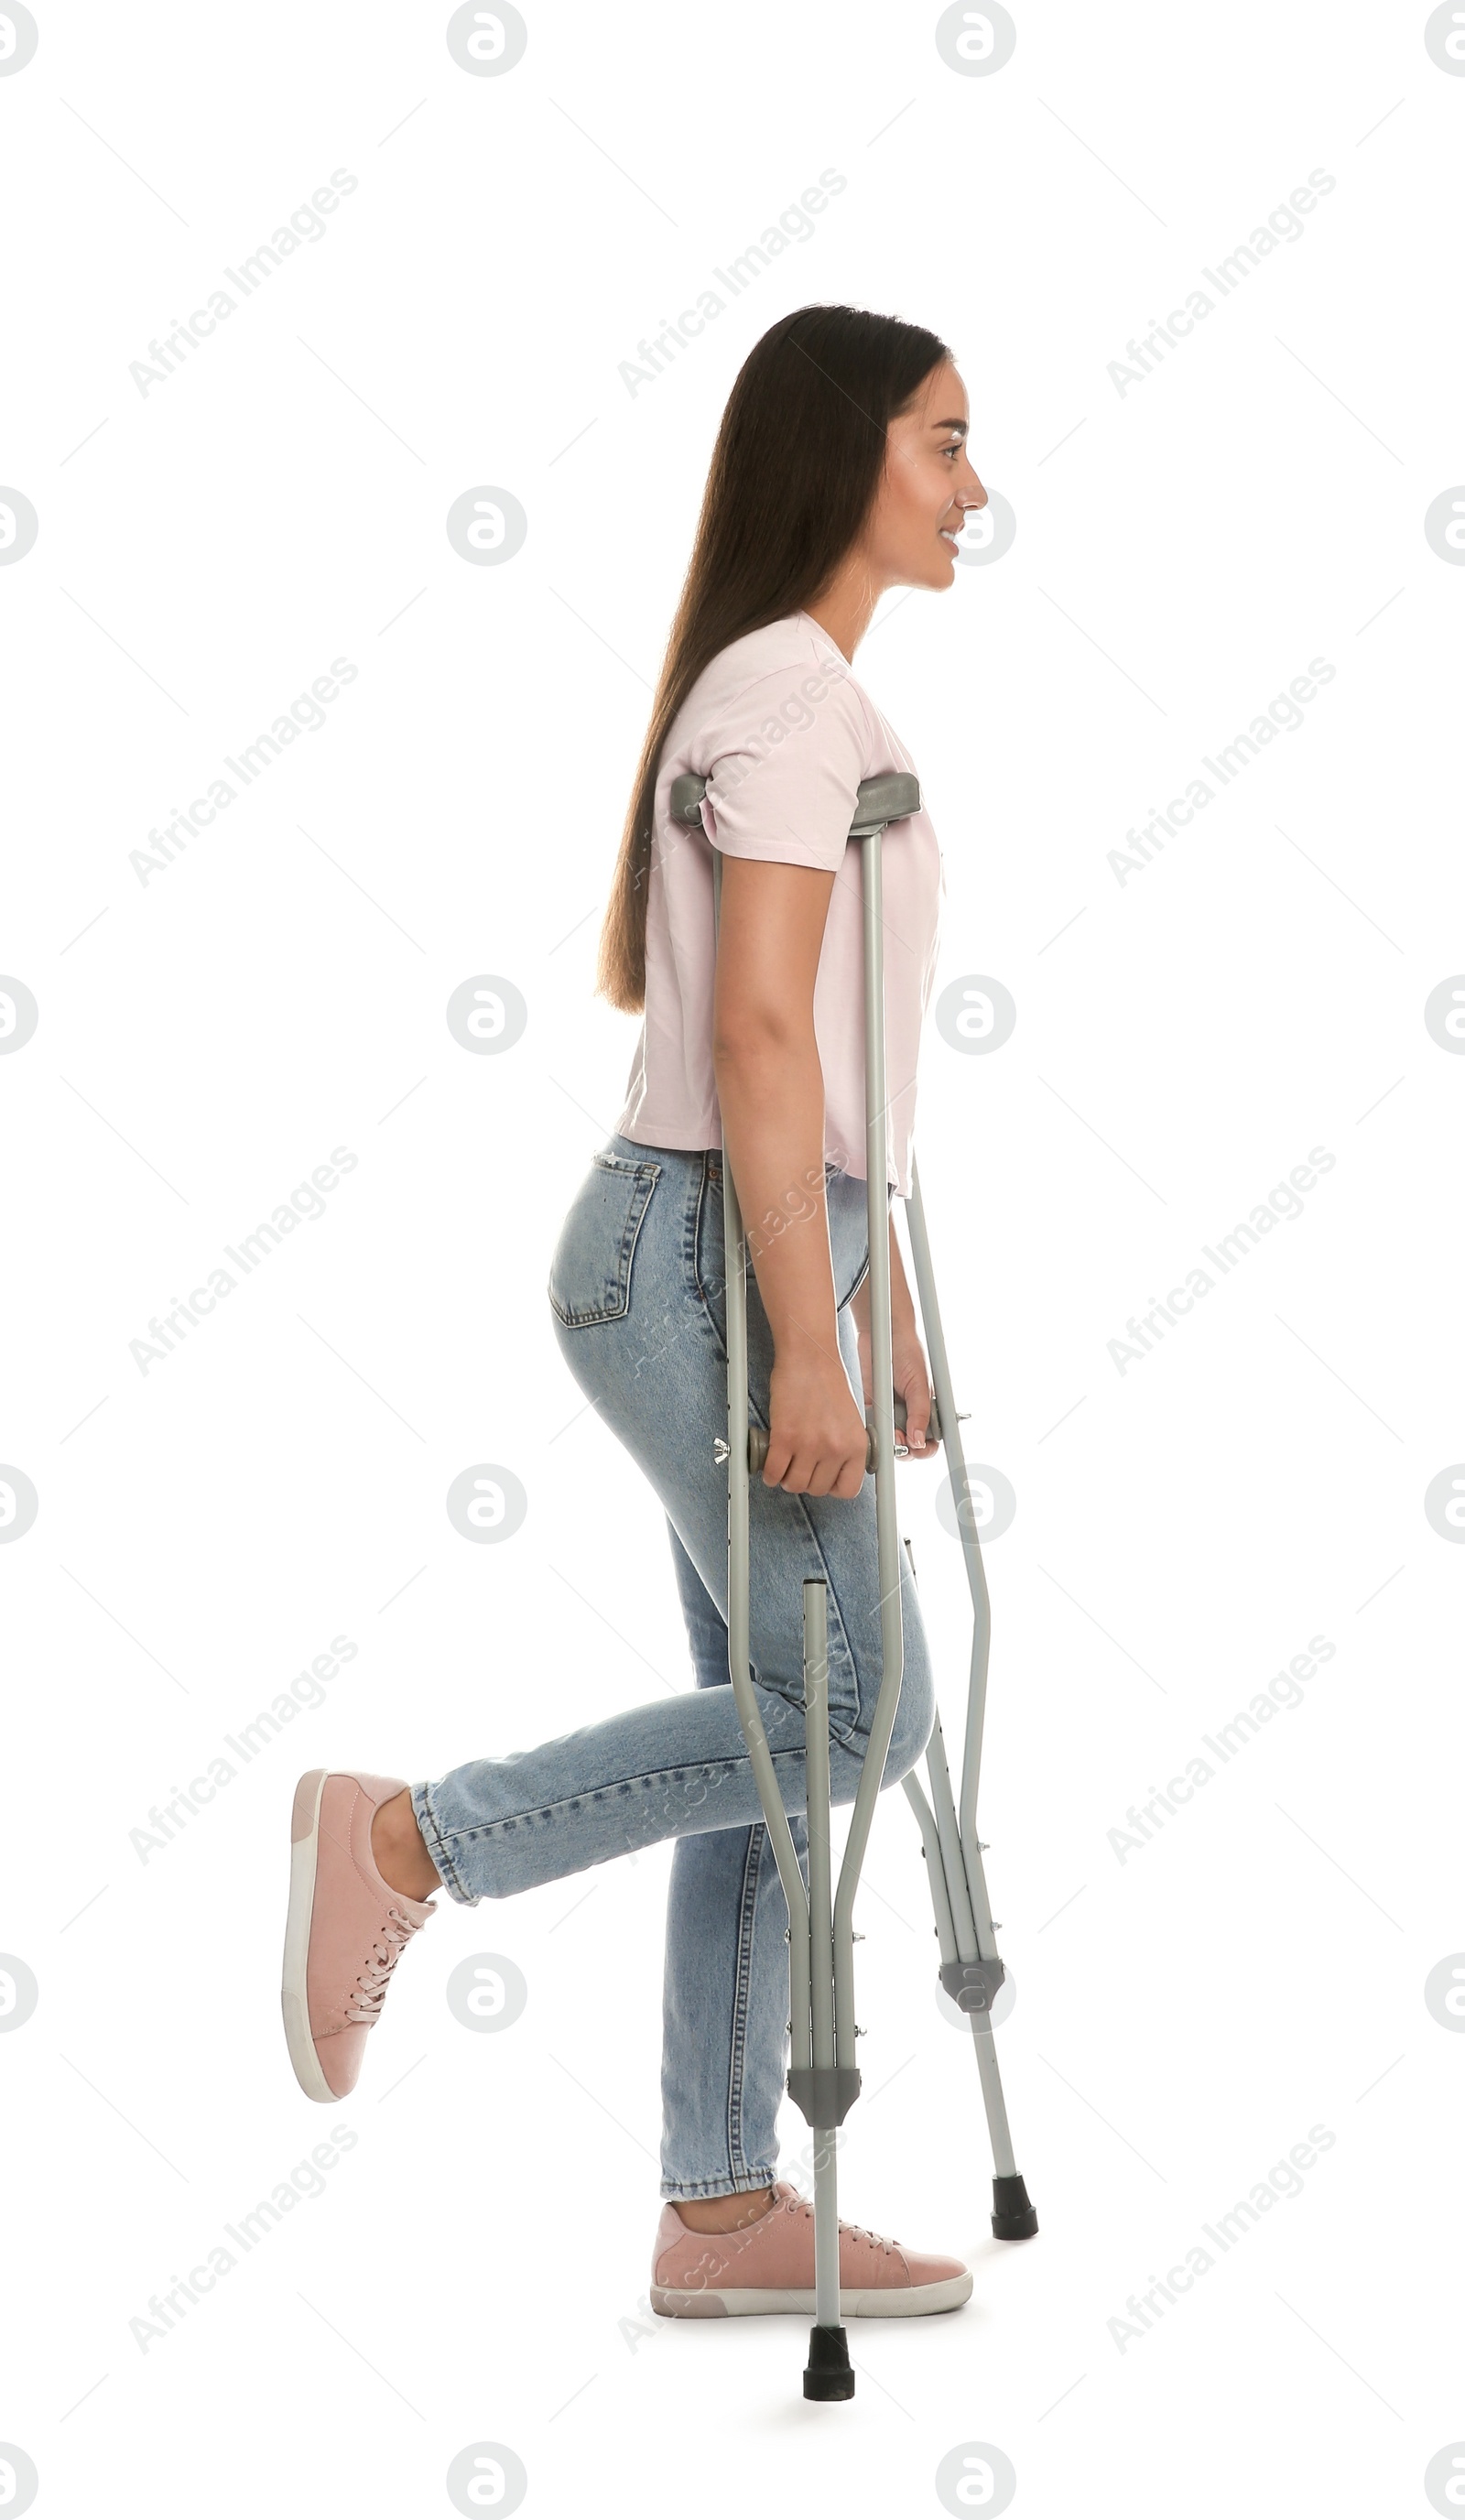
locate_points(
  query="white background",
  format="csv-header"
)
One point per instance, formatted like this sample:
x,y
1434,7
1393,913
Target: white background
x,y
475,2269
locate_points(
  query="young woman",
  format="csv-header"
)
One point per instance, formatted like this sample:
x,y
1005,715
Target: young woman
x,y
840,469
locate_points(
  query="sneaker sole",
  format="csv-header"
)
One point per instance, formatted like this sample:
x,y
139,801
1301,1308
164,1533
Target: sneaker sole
x,y
305,1830
905,2301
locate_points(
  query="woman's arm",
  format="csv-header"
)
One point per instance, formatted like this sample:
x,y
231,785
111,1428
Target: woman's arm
x,y
771,1092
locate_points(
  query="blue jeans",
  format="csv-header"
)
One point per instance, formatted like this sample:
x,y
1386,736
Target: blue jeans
x,y
637,1291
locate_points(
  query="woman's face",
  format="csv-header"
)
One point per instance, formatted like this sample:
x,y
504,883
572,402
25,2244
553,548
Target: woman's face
x,y
928,484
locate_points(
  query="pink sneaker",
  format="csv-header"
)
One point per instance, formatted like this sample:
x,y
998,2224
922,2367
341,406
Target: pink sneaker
x,y
769,2266
345,1931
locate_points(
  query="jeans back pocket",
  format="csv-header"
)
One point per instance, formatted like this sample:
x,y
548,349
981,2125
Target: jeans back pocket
x,y
589,1275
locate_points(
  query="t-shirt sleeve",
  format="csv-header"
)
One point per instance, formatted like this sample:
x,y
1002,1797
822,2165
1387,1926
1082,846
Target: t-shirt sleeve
x,y
783,765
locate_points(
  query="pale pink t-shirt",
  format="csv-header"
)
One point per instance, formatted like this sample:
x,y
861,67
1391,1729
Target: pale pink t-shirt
x,y
784,734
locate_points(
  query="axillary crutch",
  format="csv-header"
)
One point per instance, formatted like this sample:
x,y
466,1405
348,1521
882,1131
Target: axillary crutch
x,y
823,2080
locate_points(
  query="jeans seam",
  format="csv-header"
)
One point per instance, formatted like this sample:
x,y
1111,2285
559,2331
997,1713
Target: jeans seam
x,y
692,1254
747,1916
649,1777
692,2192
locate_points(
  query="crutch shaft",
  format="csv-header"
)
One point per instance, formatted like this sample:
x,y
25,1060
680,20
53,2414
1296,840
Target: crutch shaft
x,y
816,1819
740,1658
956,1462
821,1941
887,1536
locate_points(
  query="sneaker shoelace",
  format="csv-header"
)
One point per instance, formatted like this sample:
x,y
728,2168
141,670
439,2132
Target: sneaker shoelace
x,y
801,2205
366,2001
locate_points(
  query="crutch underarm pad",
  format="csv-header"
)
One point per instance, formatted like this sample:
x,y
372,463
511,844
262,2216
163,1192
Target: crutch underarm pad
x,y
887,798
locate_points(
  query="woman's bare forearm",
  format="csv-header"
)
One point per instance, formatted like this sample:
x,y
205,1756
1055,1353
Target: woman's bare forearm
x,y
771,1094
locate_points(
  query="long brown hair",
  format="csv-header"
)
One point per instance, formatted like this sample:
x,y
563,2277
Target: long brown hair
x,y
794,473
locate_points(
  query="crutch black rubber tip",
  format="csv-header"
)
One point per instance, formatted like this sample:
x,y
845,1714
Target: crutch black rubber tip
x,y
828,2374
1013,2217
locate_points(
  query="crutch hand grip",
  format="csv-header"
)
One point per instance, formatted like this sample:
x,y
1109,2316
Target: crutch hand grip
x,y
758,1440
